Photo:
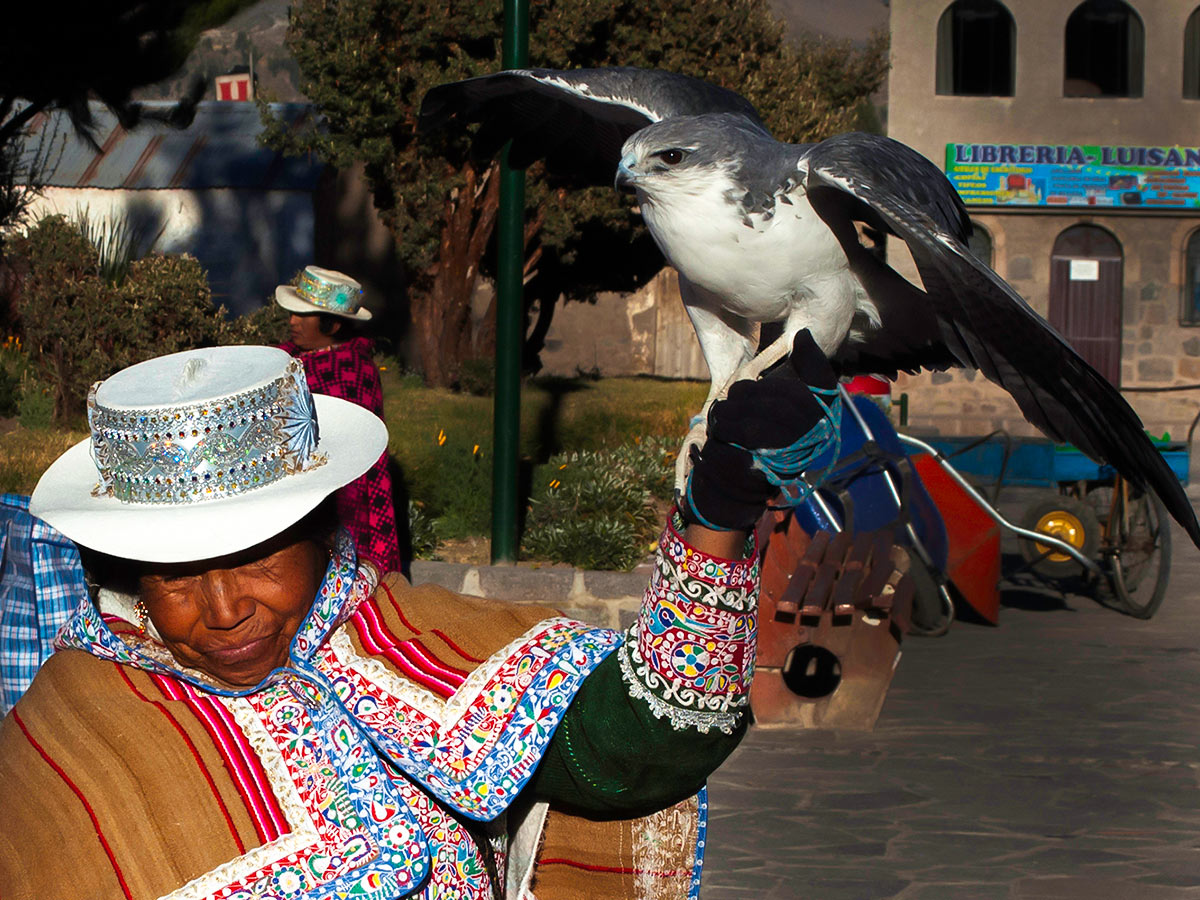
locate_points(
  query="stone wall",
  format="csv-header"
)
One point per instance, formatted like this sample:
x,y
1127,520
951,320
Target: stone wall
x,y
607,599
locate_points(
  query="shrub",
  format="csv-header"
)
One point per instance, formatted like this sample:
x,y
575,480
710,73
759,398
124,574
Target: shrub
x,y
68,325
594,509
266,325
117,241
13,363
10,393
35,406
81,328
454,482
650,462
422,532
477,377
598,543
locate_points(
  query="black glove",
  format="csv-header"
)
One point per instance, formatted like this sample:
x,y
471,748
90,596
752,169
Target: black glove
x,y
761,438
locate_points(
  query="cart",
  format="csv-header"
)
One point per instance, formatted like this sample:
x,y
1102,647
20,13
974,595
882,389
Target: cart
x,y
1088,520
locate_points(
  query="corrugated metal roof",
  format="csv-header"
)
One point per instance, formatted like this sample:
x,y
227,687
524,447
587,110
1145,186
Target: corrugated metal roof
x,y
218,150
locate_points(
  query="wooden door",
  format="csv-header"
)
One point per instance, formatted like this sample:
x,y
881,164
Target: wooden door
x,y
1086,283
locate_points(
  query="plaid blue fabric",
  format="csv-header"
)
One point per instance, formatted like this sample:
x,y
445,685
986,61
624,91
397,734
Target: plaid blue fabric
x,y
41,585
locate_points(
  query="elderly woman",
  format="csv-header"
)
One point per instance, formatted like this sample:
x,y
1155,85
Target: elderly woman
x,y
241,711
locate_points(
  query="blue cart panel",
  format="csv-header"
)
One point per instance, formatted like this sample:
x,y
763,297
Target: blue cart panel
x,y
1035,462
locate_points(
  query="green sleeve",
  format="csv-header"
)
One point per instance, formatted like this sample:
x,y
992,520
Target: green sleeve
x,y
611,754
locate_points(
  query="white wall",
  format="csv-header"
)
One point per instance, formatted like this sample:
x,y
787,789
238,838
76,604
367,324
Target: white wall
x,y
248,241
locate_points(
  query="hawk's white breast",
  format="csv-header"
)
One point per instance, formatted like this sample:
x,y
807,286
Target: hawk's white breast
x,y
761,269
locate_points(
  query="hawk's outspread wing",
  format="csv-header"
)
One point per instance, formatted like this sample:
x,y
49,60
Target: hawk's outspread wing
x,y
576,120
980,321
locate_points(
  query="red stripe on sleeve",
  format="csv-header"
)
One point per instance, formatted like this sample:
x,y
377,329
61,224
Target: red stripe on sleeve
x,y
453,646
618,870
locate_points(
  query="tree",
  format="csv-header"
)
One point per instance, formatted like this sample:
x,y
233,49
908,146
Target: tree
x,y
368,63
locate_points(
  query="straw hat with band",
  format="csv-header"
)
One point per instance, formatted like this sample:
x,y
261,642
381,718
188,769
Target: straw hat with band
x,y
203,453
324,291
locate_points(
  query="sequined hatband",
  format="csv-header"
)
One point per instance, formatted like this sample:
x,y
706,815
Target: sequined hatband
x,y
332,295
203,451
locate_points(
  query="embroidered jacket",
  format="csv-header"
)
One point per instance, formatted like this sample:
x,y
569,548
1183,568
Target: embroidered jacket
x,y
393,756
365,506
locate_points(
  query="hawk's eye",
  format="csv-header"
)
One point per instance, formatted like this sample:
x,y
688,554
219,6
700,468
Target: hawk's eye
x,y
670,157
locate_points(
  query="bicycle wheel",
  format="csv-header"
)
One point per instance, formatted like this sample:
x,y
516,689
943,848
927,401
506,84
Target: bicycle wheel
x,y
1140,565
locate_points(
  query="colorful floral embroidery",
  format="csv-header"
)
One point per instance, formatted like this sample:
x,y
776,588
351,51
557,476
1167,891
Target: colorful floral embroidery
x,y
690,655
478,749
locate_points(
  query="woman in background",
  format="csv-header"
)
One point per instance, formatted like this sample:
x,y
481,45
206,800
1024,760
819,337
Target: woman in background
x,y
326,308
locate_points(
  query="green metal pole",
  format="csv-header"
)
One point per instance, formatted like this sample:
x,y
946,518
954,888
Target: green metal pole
x,y
510,315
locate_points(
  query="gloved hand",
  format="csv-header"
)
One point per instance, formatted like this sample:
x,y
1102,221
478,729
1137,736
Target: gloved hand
x,y
761,438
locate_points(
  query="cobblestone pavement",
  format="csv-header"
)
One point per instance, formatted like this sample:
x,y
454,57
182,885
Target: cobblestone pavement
x,y
1054,756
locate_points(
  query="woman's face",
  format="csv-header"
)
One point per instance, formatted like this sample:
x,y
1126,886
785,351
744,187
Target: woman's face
x,y
305,331
234,617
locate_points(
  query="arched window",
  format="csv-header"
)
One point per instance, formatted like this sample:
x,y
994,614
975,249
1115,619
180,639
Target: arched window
x,y
1190,313
1191,56
976,49
980,244
1104,51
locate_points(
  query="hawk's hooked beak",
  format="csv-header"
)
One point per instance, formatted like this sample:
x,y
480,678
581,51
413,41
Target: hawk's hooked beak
x,y
626,179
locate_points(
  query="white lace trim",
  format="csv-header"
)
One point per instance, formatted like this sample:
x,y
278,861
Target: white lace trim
x,y
648,686
376,672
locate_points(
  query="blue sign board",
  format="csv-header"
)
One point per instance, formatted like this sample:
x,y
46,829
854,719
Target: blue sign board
x,y
1096,175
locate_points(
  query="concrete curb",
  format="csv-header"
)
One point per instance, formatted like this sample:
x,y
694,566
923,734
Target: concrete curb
x,y
608,599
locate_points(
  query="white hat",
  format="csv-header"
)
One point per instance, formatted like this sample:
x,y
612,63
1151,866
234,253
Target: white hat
x,y
324,291
204,453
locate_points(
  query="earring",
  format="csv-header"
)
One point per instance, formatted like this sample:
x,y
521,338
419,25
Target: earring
x,y
139,610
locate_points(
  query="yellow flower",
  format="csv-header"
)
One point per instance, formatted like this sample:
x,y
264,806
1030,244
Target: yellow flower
x,y
441,437
554,484
563,466
475,450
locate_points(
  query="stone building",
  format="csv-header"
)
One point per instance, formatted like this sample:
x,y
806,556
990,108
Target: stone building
x,y
1072,130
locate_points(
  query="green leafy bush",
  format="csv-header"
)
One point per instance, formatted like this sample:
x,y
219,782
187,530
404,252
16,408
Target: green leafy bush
x,y
10,393
266,325
13,363
422,532
595,509
81,328
117,241
649,461
35,404
454,482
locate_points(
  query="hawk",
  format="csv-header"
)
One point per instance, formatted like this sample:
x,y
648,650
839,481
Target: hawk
x,y
765,231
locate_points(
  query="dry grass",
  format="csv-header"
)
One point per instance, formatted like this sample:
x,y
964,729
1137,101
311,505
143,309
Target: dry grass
x,y
26,453
556,414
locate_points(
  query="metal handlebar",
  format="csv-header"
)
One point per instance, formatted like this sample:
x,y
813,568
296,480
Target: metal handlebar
x,y
1090,564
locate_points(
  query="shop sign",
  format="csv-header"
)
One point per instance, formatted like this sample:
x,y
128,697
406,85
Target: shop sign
x,y
1047,175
